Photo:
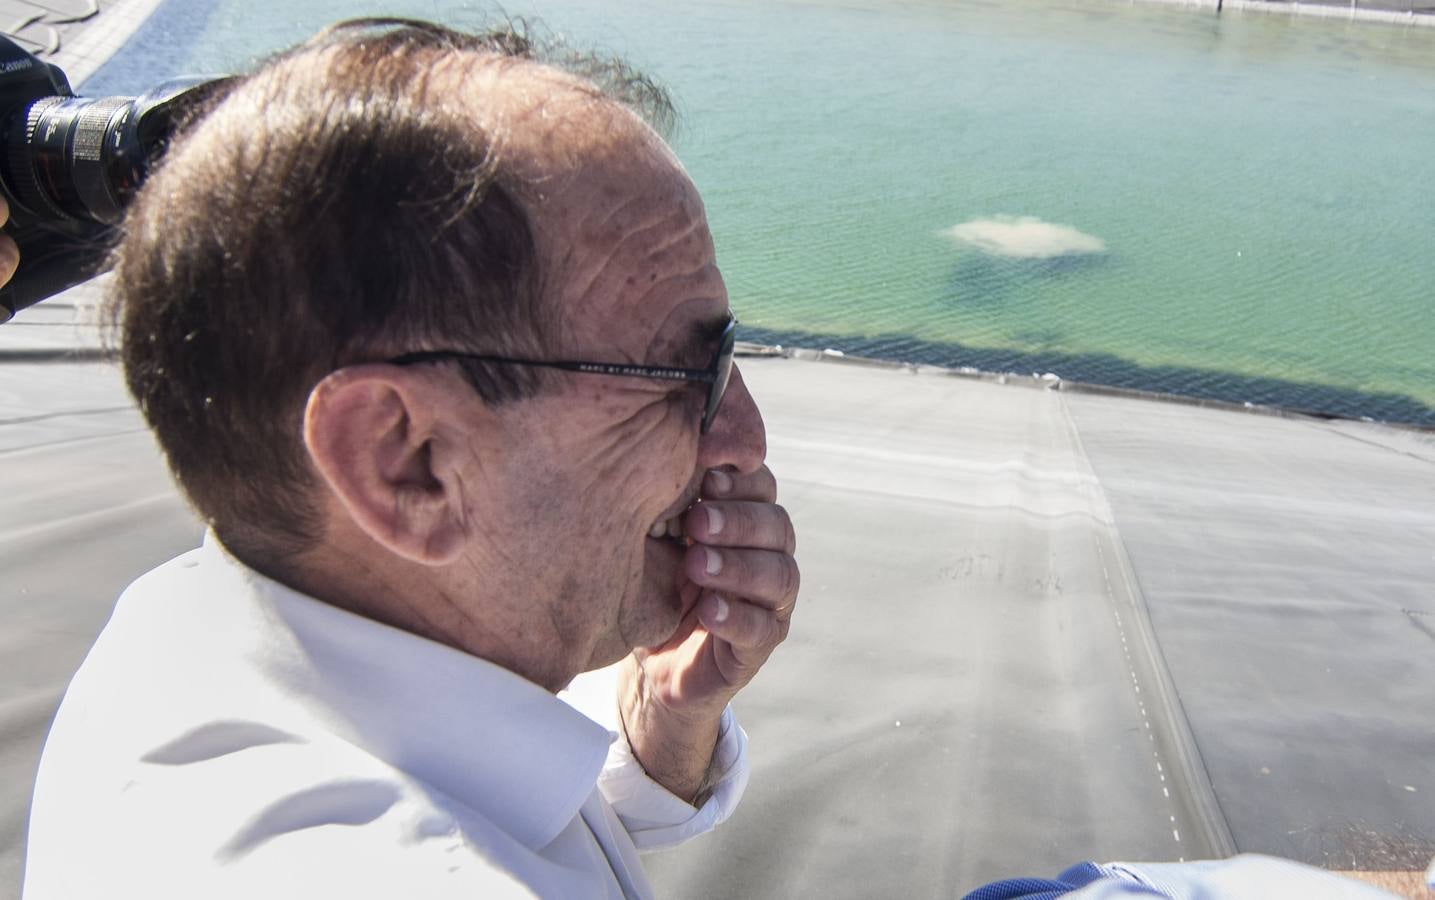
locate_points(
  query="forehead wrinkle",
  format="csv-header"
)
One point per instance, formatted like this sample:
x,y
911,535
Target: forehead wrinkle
x,y
692,346
665,347
612,213
595,221
607,259
617,256
696,227
694,285
687,228
662,218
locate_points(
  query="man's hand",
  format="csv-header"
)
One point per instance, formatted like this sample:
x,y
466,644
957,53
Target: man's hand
x,y
742,571
9,251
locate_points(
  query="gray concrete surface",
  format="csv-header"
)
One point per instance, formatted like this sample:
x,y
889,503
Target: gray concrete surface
x,y
1289,568
64,327
85,505
959,698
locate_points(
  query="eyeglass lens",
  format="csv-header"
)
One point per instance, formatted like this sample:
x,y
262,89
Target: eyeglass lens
x,y
724,371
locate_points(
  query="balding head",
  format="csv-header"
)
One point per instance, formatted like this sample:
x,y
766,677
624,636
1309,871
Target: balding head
x,y
383,187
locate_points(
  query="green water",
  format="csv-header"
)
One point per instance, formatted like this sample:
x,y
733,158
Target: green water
x,y
1262,184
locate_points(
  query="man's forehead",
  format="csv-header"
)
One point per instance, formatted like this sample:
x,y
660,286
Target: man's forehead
x,y
680,325
622,228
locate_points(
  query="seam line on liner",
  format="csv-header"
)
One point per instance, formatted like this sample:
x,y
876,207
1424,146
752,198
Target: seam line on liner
x,y
105,435
89,517
24,420
1196,799
1135,680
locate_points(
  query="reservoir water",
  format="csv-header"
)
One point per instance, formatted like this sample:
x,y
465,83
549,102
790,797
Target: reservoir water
x,y
1237,207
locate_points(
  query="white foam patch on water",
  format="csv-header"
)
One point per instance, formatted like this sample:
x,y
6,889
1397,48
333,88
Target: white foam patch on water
x,y
1023,237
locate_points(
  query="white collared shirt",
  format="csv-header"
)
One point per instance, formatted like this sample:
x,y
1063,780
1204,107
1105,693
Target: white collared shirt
x,y
228,736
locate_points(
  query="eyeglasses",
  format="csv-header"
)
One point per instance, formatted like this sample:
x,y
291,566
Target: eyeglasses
x,y
715,376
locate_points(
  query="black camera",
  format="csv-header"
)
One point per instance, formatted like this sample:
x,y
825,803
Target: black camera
x,y
69,165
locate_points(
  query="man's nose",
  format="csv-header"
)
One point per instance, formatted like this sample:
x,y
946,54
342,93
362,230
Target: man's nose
x,y
736,437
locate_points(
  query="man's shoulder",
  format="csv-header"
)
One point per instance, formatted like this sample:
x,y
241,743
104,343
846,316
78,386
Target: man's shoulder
x,y
208,747
167,659
241,806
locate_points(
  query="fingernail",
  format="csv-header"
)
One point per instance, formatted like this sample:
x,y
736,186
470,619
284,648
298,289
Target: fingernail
x,y
715,519
720,481
714,561
720,614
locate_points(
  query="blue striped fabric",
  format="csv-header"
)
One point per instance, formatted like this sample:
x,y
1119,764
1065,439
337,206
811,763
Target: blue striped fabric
x,y
1073,879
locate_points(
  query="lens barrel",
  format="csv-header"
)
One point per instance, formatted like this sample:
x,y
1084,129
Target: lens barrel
x,y
70,165
75,158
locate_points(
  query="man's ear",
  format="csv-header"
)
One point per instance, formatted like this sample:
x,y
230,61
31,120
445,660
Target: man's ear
x,y
374,436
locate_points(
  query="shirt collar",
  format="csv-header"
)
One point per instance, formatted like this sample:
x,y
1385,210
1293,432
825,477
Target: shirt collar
x,y
475,731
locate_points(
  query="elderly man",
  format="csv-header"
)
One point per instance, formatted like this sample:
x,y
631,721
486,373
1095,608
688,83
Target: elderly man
x,y
432,336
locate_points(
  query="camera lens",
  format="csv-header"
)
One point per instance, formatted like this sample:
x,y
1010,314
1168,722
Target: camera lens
x,y
70,165
74,158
